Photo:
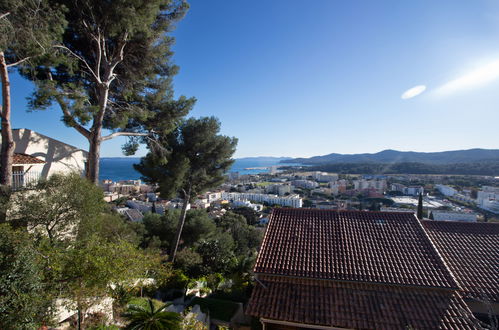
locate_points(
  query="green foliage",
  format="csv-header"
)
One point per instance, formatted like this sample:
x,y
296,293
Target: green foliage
x,y
217,253
144,302
151,317
190,262
23,301
197,225
420,207
110,227
219,309
30,28
83,271
58,206
246,238
197,160
252,217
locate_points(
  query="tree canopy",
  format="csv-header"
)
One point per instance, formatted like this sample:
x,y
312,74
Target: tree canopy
x,y
196,158
28,29
113,71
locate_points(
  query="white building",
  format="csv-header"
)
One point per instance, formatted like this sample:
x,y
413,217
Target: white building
x,y
413,190
58,157
446,190
379,185
37,156
291,200
307,184
324,177
279,189
488,199
453,216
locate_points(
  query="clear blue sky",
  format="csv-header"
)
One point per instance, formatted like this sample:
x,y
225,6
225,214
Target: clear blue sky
x,y
305,78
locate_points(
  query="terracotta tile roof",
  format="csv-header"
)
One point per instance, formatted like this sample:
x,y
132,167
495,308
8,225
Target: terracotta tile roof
x,y
26,159
471,251
380,247
358,305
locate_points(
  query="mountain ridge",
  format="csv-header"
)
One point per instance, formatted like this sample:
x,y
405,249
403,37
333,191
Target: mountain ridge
x,y
393,156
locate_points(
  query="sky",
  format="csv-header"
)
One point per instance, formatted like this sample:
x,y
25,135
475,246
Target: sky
x,y
305,78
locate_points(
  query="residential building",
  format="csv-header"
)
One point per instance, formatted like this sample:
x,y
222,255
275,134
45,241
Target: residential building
x,y
488,199
413,190
279,189
379,185
57,156
453,216
26,170
307,184
322,269
446,190
324,177
291,200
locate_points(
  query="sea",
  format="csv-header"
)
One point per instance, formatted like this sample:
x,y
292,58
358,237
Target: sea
x,y
121,168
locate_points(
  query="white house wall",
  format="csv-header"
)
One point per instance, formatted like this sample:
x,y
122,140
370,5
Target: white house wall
x,y
59,157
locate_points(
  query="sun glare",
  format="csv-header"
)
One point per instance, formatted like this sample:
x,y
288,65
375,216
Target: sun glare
x,y
476,78
412,92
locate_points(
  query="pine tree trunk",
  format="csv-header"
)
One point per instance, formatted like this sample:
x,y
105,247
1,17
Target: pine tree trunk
x,y
180,226
8,146
95,139
93,160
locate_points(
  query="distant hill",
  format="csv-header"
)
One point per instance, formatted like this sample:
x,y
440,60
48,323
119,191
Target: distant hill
x,y
394,156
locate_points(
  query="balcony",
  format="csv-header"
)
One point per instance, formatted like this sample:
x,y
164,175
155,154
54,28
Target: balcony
x,y
22,180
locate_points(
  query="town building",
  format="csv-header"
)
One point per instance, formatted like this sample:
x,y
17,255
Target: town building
x,y
279,189
378,185
413,190
488,199
37,156
446,190
291,200
453,216
322,269
307,184
324,177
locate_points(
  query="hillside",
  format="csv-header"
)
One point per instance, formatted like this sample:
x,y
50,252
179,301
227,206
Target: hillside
x,y
394,156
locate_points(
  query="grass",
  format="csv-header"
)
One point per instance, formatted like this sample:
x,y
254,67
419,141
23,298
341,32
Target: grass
x,y
219,309
143,302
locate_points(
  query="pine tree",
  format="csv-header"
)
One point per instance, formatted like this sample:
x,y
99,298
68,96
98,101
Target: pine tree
x,y
28,29
197,159
420,206
114,72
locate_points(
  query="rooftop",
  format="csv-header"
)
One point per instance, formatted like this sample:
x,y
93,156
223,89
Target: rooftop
x,y
356,305
375,247
471,252
25,159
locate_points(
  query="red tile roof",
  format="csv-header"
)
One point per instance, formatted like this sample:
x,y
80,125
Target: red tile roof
x,y
379,247
471,251
26,159
358,305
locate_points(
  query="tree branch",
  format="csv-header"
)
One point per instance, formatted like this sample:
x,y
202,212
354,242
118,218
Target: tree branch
x,y
18,62
115,134
81,59
4,15
64,107
82,130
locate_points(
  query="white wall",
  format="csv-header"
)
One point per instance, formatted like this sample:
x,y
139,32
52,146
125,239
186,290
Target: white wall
x,y
59,157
